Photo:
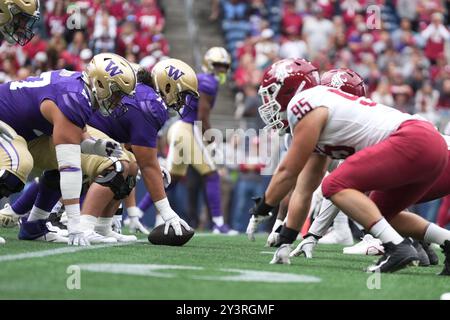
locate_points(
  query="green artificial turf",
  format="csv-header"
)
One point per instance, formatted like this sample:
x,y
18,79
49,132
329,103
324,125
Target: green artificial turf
x,y
207,258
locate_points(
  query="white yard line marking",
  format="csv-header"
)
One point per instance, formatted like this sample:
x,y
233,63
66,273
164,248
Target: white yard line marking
x,y
267,252
53,252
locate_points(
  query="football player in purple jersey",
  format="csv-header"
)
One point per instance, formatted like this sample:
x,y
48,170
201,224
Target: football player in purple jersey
x,y
57,104
185,134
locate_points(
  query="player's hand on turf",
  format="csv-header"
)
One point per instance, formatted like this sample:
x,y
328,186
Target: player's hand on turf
x,y
117,223
136,226
273,239
305,247
176,223
5,134
253,224
259,213
281,256
78,238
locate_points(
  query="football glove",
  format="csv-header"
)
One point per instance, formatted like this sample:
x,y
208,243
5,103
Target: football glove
x,y
260,213
281,256
134,225
78,238
273,237
305,247
171,219
117,224
101,147
167,179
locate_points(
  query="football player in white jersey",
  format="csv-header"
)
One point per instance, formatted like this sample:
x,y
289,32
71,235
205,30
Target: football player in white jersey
x,y
350,82
385,150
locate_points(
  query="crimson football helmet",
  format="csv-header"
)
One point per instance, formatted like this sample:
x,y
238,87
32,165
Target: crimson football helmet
x,y
283,80
346,80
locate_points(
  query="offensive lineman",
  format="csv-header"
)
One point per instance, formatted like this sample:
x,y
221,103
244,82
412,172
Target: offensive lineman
x,y
58,104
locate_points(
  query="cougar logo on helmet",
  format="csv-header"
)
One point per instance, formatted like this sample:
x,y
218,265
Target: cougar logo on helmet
x,y
344,79
282,70
338,80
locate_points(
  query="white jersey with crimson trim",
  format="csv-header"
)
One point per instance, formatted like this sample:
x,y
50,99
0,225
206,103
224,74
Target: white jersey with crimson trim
x,y
353,124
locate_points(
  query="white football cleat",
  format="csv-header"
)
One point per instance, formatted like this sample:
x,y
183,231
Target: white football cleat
x,y
95,238
121,237
281,256
38,230
52,228
338,236
369,246
2,241
64,220
8,218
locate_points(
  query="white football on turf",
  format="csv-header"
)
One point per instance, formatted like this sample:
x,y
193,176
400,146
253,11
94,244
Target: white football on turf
x,y
2,241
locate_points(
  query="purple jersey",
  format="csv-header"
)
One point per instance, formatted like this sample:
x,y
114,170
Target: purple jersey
x,y
139,126
20,102
207,84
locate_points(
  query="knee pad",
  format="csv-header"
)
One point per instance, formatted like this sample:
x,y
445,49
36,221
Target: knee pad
x,y
9,184
50,178
113,178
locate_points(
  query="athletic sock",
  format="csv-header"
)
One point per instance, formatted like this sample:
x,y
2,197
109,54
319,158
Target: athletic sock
x,y
104,226
218,220
212,190
87,222
384,231
436,234
38,214
25,202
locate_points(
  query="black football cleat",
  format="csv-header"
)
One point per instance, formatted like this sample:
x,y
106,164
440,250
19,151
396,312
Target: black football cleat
x,y
446,250
55,219
424,261
432,256
395,257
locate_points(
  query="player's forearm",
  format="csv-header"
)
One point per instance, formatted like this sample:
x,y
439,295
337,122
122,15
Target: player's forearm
x,y
153,181
298,210
280,185
69,163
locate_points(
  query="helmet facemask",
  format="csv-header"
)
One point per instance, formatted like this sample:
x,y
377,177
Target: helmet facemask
x,y
221,72
20,28
112,105
269,111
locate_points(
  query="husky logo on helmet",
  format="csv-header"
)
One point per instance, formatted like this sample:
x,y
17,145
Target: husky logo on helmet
x,y
338,80
113,69
109,78
174,73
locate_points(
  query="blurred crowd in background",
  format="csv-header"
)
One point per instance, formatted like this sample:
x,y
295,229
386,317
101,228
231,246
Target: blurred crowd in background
x,y
400,48
71,32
